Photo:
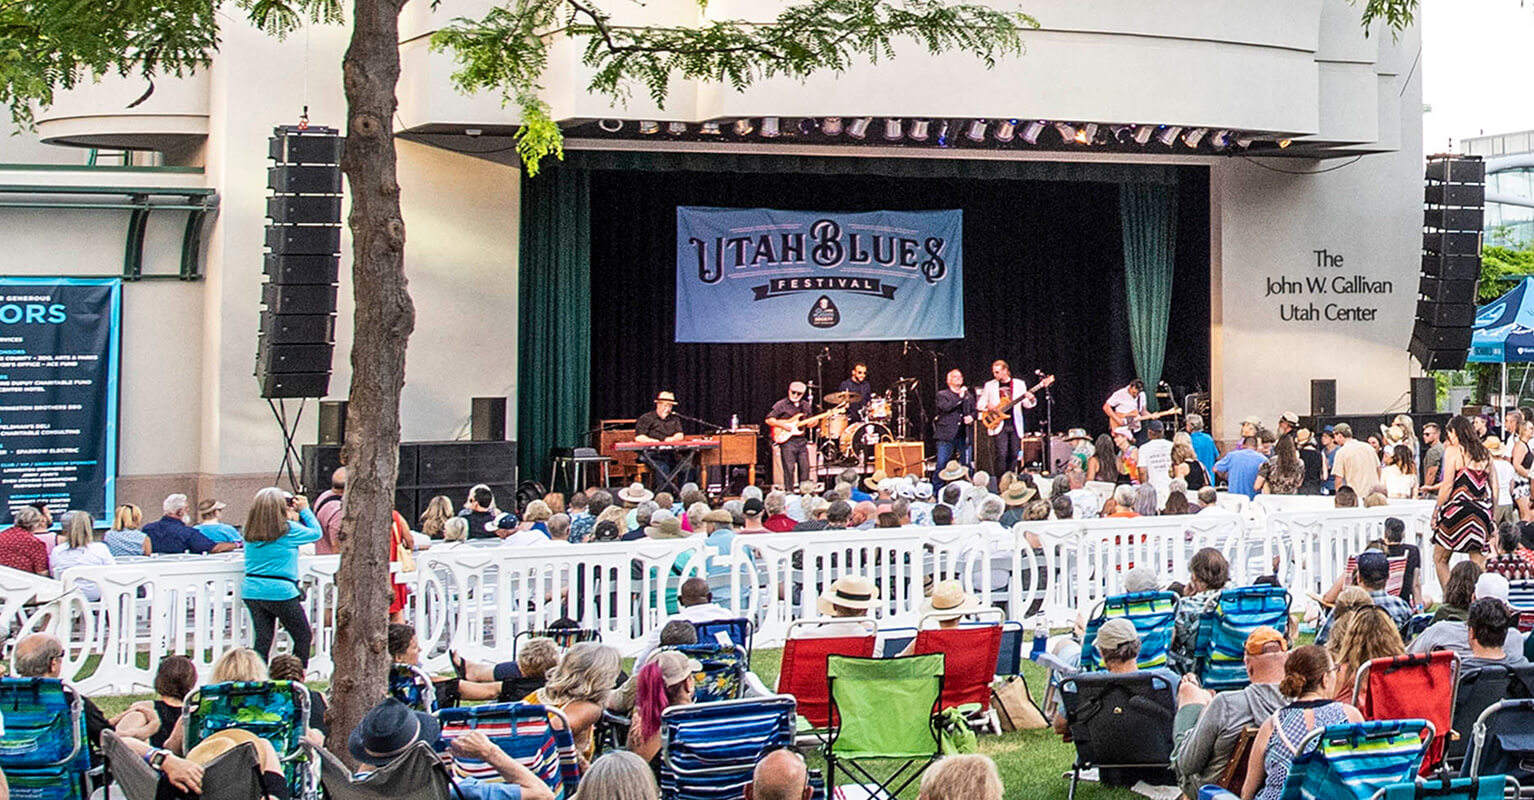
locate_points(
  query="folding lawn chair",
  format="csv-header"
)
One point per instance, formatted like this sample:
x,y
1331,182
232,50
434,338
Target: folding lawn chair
x,y
1220,651
1492,787
723,672
969,665
234,775
43,749
416,774
1009,656
1351,762
1154,615
277,711
1122,725
803,670
1502,742
410,685
1411,687
525,731
883,709
708,750
737,632
1520,595
1394,583
1415,626
1481,688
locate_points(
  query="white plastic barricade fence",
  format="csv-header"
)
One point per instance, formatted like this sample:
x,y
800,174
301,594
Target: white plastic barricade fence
x,y
1319,543
31,603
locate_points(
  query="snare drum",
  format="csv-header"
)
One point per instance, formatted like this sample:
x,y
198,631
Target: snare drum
x,y
831,427
878,409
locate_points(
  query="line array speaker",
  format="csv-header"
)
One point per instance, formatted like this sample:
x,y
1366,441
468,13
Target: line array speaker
x,y
302,263
1451,260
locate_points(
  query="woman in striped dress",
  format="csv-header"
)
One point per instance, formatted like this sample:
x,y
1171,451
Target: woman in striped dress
x,y
1462,519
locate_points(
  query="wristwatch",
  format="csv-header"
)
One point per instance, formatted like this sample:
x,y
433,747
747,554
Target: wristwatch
x,y
156,758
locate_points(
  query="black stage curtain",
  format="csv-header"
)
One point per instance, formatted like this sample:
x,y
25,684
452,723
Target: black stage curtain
x,y
1044,289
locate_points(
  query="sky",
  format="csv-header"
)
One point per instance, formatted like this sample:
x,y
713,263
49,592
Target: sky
x,y
1477,69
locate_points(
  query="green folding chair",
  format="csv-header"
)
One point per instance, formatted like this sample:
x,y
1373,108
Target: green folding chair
x,y
883,709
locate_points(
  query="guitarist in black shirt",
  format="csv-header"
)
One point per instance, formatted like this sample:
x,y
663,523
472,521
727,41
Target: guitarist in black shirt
x,y
793,446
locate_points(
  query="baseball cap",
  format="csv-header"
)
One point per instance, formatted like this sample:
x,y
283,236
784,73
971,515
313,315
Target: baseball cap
x,y
1373,566
675,666
753,507
1490,584
1140,579
1343,429
1116,632
1157,425
1260,640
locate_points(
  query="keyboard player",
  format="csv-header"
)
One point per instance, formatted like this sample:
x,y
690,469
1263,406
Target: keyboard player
x,y
661,426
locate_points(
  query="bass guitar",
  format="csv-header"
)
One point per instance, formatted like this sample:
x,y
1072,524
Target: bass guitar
x,y
796,425
994,418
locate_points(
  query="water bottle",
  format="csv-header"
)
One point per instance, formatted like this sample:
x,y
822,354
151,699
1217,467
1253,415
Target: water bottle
x,y
1040,639
734,421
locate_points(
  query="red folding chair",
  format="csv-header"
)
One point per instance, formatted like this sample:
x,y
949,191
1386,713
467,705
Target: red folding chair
x,y
1412,686
803,672
969,664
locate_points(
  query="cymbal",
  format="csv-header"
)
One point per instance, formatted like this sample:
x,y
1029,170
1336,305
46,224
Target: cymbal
x,y
837,398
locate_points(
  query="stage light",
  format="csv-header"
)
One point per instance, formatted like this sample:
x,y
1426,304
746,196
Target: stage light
x,y
1067,132
1120,133
1193,137
919,129
831,126
1032,130
770,127
806,126
1244,142
1282,143
1219,140
676,128
1143,133
743,127
709,129
859,127
1169,135
649,128
611,125
1087,134
942,133
1005,130
893,130
976,132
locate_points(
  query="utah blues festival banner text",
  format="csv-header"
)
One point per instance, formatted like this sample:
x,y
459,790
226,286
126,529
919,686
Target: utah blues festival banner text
x,y
767,275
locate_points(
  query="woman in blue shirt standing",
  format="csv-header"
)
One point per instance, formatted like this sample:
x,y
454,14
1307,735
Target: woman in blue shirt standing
x,y
277,524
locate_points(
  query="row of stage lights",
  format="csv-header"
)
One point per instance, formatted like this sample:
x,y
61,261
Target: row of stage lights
x,y
942,131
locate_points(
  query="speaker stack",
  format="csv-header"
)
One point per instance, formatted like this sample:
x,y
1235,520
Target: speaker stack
x,y
303,241
1451,260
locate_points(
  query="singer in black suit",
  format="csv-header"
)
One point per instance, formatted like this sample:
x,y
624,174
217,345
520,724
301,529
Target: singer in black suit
x,y
955,413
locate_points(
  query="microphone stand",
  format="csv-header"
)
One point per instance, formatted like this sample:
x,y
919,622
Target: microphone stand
x,y
709,427
937,382
1049,431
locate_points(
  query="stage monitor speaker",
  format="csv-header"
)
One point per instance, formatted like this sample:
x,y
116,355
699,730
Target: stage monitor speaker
x,y
332,422
901,458
488,420
1323,396
1424,395
726,480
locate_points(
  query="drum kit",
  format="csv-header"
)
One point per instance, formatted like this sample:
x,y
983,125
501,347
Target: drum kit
x,y
853,439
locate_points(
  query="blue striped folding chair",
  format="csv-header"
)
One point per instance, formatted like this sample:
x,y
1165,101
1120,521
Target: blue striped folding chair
x,y
723,673
277,711
1502,742
43,749
736,632
525,731
708,750
410,685
1154,615
1351,762
1219,652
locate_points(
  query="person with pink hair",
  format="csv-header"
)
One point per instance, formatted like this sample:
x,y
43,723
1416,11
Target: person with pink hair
x,y
664,681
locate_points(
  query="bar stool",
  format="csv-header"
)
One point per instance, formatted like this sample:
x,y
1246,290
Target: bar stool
x,y
573,466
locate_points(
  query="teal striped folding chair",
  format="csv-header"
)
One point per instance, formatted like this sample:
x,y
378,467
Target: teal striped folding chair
x,y
525,731
1219,652
708,750
1493,787
1351,762
1154,615
277,711
43,749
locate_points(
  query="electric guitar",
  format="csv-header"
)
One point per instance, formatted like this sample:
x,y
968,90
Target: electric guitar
x,y
796,424
1132,416
997,417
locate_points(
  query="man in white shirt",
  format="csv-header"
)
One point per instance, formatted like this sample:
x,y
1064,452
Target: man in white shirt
x,y
697,605
1000,390
1124,409
1155,461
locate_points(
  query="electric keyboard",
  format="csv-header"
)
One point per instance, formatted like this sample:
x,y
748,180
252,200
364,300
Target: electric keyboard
x,y
685,444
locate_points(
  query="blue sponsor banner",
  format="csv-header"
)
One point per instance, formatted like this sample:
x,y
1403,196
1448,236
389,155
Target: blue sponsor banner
x,y
59,351
766,275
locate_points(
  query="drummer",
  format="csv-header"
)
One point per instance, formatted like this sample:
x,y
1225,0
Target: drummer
x,y
856,384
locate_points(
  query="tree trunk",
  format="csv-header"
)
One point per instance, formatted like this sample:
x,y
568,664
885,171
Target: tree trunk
x,y
384,318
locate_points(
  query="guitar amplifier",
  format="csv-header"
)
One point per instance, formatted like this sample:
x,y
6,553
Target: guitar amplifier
x,y
901,458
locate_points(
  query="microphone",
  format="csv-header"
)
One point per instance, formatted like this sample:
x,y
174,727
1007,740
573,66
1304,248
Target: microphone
x,y
1039,372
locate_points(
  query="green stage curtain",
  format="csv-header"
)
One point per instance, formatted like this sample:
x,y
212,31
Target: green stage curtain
x,y
554,316
1148,216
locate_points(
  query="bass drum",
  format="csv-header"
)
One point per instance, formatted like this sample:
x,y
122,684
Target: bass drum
x,y
860,441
